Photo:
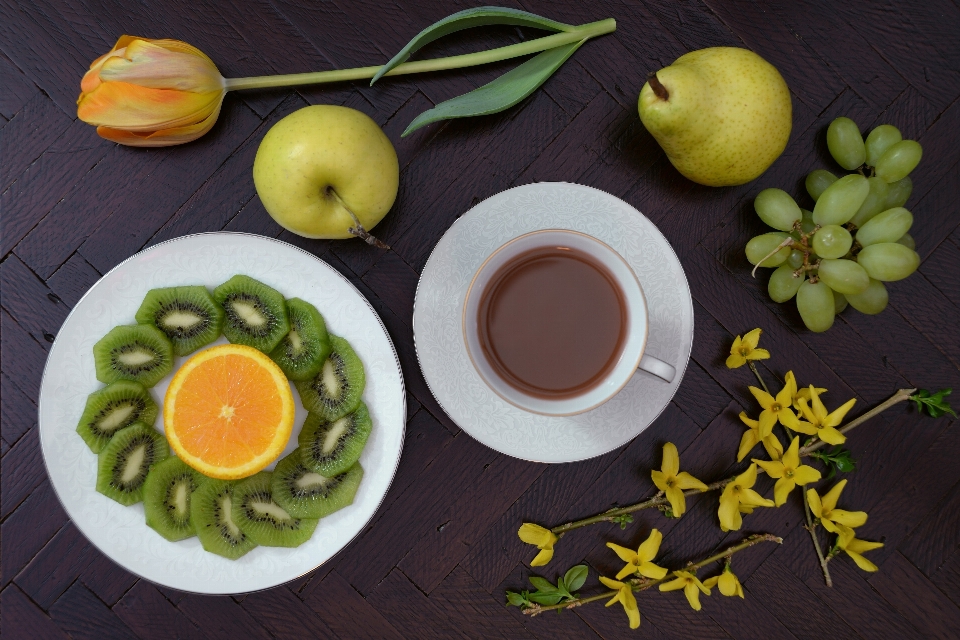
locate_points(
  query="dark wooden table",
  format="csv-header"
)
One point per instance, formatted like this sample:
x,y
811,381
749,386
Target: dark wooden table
x,y
436,559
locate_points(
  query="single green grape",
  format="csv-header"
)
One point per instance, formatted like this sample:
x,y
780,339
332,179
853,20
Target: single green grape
x,y
816,305
845,276
879,140
888,261
846,144
776,208
875,203
832,241
899,160
871,300
807,225
783,285
888,226
841,200
906,240
795,259
762,245
839,302
899,193
817,181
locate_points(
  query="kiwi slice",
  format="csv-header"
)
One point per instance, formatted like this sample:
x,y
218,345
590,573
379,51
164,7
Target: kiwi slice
x,y
336,390
265,521
254,314
330,447
116,406
166,498
141,353
307,494
187,315
125,461
302,352
211,509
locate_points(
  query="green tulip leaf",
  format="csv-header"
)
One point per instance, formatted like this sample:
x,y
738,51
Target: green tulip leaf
x,y
466,19
502,93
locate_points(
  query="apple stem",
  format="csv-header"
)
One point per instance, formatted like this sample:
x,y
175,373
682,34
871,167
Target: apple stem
x,y
657,86
357,229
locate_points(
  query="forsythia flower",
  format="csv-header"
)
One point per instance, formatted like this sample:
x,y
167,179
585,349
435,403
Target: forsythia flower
x,y
728,583
740,492
835,520
819,422
626,598
640,561
543,539
151,93
856,548
690,585
746,349
755,434
803,393
672,481
789,472
777,408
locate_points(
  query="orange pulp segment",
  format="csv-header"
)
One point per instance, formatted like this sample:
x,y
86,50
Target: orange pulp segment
x,y
228,412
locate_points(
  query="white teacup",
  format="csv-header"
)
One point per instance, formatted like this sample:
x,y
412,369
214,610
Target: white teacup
x,y
631,356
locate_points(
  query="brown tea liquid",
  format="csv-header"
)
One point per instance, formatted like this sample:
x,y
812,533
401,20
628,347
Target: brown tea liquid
x,y
552,322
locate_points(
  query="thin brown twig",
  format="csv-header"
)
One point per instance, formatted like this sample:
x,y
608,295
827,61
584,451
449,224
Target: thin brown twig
x,y
900,396
812,528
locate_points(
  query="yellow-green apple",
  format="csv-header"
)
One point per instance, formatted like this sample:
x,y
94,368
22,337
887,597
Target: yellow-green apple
x,y
327,172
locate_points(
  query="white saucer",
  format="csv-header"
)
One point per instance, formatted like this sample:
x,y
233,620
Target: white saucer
x,y
443,355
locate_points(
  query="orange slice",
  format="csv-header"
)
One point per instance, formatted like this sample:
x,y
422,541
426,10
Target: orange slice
x,y
228,412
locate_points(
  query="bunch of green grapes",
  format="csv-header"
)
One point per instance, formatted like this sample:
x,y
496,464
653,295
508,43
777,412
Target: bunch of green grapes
x,y
855,239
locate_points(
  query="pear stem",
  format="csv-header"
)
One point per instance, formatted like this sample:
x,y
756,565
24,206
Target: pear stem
x,y
357,229
657,86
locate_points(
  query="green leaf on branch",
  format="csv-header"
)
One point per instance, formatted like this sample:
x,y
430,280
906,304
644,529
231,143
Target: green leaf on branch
x,y
547,593
521,599
502,93
837,459
623,520
934,403
575,577
476,17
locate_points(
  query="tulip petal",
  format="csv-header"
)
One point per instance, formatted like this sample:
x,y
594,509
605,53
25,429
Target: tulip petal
x,y
149,65
162,138
140,109
649,548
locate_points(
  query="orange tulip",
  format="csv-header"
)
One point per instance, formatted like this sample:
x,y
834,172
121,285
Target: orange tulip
x,y
151,93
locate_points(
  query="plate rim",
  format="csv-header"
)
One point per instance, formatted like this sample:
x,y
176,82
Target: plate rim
x,y
403,395
681,371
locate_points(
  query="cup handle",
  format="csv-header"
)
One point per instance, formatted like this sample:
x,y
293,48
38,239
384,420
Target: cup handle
x,y
657,367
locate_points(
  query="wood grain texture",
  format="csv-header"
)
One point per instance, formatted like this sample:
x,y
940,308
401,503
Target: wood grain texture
x,y
435,560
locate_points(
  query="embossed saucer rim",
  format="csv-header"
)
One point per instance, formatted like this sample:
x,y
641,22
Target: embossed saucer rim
x,y
403,396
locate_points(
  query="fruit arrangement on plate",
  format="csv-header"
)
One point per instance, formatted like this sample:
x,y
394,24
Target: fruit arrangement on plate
x,y
228,413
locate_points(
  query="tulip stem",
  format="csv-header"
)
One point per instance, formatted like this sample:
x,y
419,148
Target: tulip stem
x,y
900,396
812,528
642,584
576,34
612,514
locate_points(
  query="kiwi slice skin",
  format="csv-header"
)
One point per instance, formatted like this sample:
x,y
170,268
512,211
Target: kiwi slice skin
x,y
336,390
211,509
265,521
330,447
141,353
306,494
302,352
253,313
166,498
125,462
188,316
116,406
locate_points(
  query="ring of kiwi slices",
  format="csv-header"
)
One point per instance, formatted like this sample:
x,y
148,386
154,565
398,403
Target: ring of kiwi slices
x,y
278,508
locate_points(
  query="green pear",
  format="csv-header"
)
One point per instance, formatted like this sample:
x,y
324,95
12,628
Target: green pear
x,y
722,114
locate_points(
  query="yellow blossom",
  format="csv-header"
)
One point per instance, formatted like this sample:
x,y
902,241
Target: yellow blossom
x,y
639,561
819,422
753,435
856,548
803,393
672,481
728,583
541,538
626,598
836,520
690,585
746,349
778,408
789,472
740,492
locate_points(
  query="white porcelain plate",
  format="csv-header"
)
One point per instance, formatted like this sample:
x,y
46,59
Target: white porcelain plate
x,y
443,355
210,259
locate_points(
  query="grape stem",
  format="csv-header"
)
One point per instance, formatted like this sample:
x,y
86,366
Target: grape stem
x,y
786,243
